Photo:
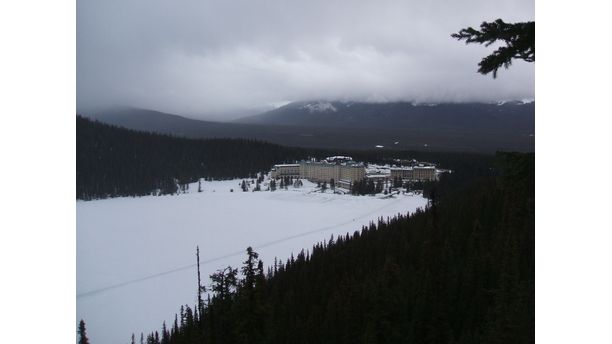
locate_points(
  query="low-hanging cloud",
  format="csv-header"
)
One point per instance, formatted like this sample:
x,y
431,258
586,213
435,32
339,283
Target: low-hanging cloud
x,y
205,57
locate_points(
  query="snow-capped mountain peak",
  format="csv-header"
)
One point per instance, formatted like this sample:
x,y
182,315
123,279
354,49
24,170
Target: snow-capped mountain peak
x,y
320,107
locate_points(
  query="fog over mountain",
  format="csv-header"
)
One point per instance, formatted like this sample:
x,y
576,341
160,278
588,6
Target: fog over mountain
x,y
229,59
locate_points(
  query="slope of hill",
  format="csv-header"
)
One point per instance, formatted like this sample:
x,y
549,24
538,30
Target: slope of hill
x,y
508,116
166,123
350,130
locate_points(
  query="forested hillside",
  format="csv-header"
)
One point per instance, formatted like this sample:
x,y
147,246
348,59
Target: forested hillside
x,y
113,161
477,128
462,271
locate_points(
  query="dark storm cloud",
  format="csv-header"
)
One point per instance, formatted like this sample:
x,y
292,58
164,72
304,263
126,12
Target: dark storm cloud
x,y
221,56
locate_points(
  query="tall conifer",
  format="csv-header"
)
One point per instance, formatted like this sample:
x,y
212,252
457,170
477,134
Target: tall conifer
x,y
82,333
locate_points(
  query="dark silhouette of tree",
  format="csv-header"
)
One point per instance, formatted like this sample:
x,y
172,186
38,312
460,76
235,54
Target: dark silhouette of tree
x,y
201,289
82,333
224,282
518,37
250,307
165,339
379,186
249,270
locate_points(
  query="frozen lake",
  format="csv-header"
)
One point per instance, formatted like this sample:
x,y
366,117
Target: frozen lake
x,y
136,256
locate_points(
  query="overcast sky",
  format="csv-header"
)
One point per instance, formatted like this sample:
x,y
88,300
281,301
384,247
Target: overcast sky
x,y
204,58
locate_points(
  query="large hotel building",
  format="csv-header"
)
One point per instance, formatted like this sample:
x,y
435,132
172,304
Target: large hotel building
x,y
324,171
321,171
421,173
286,170
344,171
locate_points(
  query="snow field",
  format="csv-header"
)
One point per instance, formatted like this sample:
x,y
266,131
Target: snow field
x,y
136,256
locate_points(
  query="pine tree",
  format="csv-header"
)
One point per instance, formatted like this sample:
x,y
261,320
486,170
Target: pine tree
x,y
248,269
165,339
250,320
82,333
175,328
224,282
182,317
379,187
519,39
200,287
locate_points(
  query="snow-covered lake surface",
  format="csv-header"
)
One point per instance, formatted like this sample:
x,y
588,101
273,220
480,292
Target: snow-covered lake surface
x,y
136,256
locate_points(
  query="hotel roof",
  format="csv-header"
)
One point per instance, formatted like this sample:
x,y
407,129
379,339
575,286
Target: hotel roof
x,y
287,165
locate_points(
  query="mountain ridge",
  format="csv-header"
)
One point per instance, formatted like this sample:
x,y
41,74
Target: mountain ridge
x,y
507,115
364,128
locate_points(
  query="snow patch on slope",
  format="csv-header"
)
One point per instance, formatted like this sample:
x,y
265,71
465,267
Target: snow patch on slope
x,y
320,107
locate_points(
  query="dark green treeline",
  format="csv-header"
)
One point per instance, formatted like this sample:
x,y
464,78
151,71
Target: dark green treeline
x,y
462,271
113,161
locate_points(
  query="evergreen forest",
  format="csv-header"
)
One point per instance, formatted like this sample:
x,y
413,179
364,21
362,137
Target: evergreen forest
x,y
113,161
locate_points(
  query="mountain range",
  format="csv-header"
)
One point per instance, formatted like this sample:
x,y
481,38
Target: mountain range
x,y
469,127
516,116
